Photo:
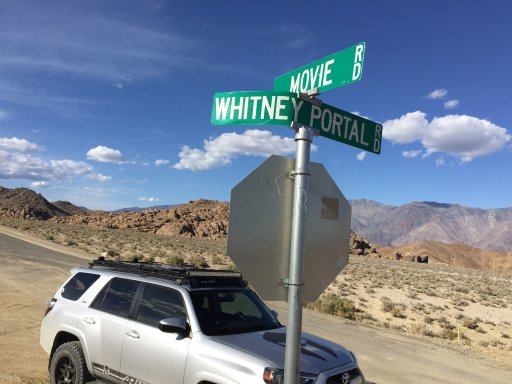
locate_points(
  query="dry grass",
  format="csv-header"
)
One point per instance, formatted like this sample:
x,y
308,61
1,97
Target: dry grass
x,y
127,244
461,306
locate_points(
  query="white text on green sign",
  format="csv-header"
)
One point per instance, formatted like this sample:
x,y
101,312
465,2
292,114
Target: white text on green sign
x,y
283,108
340,68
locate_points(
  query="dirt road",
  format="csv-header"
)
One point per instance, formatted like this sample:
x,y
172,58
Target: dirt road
x,y
30,275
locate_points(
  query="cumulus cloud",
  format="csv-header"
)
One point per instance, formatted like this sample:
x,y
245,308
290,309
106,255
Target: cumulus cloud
x,y
450,104
18,145
161,162
105,155
412,154
149,199
437,94
39,184
18,163
361,156
222,150
464,137
406,129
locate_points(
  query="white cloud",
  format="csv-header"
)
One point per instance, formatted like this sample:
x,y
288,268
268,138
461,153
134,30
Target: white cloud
x,y
437,94
411,154
464,137
228,146
105,155
160,162
18,145
39,184
361,156
450,104
406,129
17,163
149,199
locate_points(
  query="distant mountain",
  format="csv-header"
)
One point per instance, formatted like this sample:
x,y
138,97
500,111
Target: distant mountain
x,y
138,209
489,229
23,203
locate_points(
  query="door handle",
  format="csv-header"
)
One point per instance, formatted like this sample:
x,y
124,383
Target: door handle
x,y
133,334
89,320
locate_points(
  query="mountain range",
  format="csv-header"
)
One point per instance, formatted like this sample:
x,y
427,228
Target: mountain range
x,y
489,229
386,225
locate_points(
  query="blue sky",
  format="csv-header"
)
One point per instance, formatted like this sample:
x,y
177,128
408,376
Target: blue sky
x,y
107,104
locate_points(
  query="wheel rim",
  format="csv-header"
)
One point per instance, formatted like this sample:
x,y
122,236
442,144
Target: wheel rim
x,y
65,372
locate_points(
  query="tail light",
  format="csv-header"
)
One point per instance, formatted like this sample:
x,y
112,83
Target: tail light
x,y
49,306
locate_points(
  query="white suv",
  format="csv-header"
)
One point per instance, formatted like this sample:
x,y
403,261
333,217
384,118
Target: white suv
x,y
130,322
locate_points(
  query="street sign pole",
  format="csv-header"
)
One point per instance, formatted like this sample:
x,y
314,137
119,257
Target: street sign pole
x,y
303,137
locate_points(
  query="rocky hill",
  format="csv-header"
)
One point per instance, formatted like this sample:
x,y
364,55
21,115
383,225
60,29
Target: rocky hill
x,y
489,229
204,219
23,203
70,209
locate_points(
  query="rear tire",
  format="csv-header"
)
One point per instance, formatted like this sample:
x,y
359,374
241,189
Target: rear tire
x,y
68,365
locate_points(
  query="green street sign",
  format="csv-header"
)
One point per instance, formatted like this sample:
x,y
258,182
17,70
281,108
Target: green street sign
x,y
283,108
336,70
339,125
253,108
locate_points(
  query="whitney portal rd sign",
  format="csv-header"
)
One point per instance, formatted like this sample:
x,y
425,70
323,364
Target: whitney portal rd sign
x,y
283,108
336,70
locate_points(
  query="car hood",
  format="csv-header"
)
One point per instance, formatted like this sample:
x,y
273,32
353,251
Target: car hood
x,y
316,355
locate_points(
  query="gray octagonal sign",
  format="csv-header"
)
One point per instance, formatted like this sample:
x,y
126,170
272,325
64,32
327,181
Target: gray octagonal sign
x,y
260,229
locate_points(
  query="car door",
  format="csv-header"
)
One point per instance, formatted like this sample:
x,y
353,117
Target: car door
x,y
103,325
150,355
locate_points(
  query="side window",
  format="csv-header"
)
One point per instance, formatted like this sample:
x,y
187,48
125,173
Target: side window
x,y
116,297
78,285
158,303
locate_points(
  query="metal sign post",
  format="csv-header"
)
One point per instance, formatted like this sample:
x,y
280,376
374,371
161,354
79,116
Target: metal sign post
x,y
308,117
303,137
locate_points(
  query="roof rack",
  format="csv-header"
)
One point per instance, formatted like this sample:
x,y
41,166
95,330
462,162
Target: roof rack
x,y
181,274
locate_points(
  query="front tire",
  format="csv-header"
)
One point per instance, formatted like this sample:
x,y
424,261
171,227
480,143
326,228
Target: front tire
x,y
68,365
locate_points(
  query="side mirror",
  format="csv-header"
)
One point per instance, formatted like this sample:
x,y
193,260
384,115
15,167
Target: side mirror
x,y
174,325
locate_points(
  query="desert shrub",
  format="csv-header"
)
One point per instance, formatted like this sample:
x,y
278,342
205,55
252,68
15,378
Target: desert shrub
x,y
216,259
462,289
386,305
470,323
397,312
176,260
333,304
198,261
232,267
497,343
448,334
418,329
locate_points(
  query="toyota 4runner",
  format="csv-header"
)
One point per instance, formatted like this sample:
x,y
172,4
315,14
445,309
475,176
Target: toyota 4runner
x,y
146,323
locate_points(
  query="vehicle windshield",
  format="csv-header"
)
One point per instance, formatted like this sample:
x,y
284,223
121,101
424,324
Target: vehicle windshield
x,y
223,312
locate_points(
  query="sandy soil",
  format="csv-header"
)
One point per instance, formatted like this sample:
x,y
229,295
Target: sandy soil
x,y
26,287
